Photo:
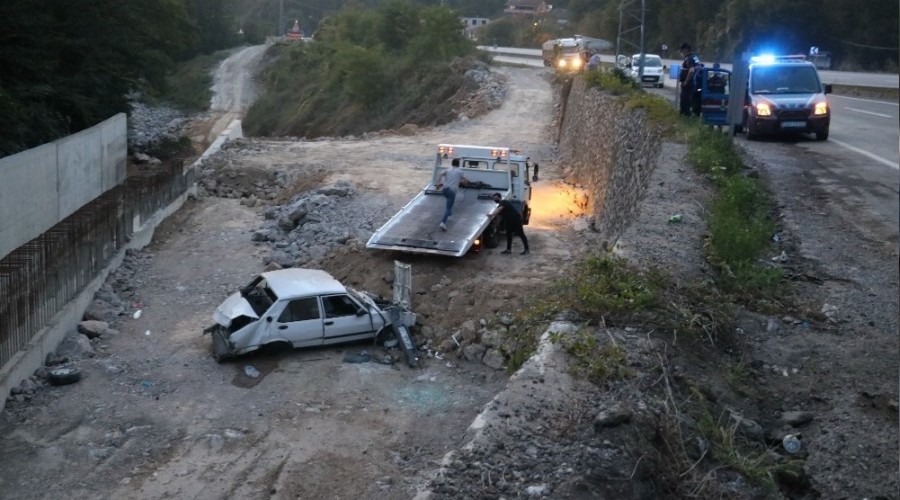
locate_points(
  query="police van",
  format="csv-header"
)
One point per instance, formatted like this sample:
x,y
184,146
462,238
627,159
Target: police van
x,y
785,96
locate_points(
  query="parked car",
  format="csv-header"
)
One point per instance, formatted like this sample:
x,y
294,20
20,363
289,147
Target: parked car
x,y
653,69
785,96
300,307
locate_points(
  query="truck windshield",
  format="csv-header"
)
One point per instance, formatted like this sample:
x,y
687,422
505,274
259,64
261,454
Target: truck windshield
x,y
784,80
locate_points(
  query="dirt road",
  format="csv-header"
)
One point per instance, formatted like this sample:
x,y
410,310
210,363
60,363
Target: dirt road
x,y
156,417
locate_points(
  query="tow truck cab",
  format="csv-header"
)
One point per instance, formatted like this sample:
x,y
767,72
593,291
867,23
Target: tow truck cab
x,y
785,95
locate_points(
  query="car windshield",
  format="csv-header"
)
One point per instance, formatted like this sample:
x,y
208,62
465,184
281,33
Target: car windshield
x,y
649,62
784,80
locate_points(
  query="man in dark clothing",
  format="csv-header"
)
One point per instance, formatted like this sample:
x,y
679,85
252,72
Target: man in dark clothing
x,y
689,66
512,223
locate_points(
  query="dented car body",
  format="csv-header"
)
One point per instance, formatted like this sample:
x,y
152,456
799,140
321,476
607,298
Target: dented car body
x,y
301,307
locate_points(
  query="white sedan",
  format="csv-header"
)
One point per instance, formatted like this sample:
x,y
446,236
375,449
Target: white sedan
x,y
300,307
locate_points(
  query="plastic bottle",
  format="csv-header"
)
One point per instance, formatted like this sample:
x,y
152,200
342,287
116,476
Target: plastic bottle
x,y
791,444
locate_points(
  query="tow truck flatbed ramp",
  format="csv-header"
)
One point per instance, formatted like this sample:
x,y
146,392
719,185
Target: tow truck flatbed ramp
x,y
416,227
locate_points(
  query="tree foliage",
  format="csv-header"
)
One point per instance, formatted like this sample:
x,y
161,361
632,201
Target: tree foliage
x,y
366,69
70,64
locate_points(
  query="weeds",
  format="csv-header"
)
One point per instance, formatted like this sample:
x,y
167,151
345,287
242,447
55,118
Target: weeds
x,y
613,81
592,359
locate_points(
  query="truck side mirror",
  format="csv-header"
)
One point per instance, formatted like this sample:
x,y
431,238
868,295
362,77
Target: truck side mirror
x,y
828,88
534,178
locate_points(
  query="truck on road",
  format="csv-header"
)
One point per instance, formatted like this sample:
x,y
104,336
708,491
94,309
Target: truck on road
x,y
475,222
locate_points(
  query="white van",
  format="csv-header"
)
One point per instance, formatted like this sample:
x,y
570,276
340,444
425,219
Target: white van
x,y
653,69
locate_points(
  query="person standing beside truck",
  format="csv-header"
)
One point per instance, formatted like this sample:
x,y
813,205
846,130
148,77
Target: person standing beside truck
x,y
512,223
448,183
689,66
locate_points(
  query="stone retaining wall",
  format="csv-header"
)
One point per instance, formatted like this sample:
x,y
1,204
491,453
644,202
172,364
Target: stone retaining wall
x,y
608,150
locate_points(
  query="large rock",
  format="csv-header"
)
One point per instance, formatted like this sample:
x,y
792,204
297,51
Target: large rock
x,y
93,328
76,346
100,310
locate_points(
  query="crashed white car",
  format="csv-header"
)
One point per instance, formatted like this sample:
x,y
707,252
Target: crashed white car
x,y
301,307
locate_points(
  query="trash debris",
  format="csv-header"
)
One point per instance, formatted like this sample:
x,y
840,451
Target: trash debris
x,y
147,332
454,339
776,238
830,312
780,258
791,444
137,314
675,219
146,383
391,344
360,357
251,371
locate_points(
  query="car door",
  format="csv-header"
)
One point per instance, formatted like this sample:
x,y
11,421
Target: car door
x,y
345,319
299,323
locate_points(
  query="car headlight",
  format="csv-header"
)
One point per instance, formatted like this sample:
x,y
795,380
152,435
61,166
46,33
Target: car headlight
x,y
561,63
763,109
821,109
576,63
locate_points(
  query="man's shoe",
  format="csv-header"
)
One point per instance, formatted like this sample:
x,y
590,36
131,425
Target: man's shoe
x,y
443,226
524,252
506,252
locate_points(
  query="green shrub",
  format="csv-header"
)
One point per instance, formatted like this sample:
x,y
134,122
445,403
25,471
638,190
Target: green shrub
x,y
614,81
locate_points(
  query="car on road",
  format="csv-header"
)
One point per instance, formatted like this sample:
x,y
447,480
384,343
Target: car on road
x,y
300,307
653,72
785,96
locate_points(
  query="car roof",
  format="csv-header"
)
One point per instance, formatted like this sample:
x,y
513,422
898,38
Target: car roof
x,y
296,282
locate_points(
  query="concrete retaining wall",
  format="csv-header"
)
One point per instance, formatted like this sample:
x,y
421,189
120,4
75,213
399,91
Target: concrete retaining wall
x,y
610,151
44,185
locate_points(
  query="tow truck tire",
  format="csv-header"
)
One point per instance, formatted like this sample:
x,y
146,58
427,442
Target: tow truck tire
x,y
491,239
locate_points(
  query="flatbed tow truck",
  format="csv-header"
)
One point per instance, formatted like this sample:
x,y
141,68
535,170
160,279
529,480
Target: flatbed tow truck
x,y
475,222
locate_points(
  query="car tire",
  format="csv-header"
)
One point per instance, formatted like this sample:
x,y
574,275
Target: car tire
x,y
822,136
63,376
752,134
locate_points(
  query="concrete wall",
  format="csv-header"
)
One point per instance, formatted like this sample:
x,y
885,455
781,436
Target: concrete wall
x,y
608,150
26,361
46,184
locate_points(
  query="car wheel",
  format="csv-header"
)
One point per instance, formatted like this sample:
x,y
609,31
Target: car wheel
x,y
490,238
752,133
64,376
822,136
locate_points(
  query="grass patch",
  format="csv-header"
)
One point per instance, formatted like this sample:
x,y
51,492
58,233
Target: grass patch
x,y
658,109
605,289
613,81
592,359
739,222
728,448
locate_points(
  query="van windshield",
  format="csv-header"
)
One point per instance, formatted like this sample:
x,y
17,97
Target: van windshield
x,y
649,61
784,80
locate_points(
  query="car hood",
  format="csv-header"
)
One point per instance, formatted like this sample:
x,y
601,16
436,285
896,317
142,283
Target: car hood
x,y
233,307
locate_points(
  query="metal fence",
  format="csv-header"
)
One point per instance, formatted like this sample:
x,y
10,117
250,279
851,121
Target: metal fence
x,y
39,278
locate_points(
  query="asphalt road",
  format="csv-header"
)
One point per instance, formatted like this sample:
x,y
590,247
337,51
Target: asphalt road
x,y
880,80
858,164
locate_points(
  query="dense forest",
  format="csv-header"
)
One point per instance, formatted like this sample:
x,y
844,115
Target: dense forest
x,y
70,64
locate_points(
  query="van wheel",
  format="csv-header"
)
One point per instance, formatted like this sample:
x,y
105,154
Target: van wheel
x,y
822,136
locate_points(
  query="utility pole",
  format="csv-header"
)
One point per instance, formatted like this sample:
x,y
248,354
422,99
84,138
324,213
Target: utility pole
x,y
280,30
631,26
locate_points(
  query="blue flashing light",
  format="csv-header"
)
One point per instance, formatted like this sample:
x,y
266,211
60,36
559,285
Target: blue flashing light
x,y
765,58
